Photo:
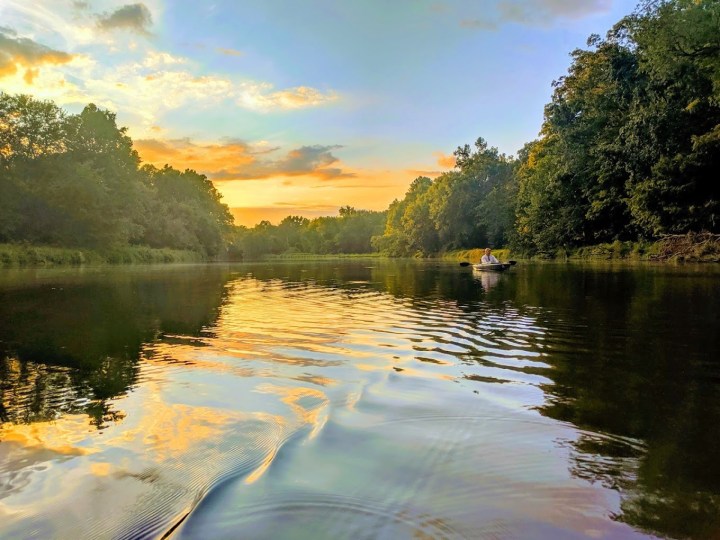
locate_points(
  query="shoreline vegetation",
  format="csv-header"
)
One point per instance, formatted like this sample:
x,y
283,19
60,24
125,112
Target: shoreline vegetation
x,y
12,255
625,167
682,248
688,248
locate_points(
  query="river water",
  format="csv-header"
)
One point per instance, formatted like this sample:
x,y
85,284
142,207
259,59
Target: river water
x,y
361,399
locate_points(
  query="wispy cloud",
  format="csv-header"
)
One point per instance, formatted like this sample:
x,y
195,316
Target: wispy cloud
x,y
543,11
414,173
261,97
133,17
479,24
237,160
534,12
20,53
229,52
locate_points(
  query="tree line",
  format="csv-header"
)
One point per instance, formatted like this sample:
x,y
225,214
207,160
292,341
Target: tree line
x,y
349,232
76,181
629,150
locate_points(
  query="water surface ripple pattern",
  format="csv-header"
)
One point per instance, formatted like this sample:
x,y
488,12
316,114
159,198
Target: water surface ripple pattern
x,y
321,405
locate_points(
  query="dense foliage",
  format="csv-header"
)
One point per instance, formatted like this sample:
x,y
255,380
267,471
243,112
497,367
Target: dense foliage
x,y
468,207
629,150
75,180
630,146
349,232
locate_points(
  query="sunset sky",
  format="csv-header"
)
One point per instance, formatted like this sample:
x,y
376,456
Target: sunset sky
x,y
300,107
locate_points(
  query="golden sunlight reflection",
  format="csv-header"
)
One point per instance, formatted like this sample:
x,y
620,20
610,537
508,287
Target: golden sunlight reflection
x,y
59,438
286,372
314,409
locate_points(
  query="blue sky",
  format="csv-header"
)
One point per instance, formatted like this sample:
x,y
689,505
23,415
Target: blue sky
x,y
302,107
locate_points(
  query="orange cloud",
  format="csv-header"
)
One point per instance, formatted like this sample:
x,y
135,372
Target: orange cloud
x,y
23,53
237,160
445,161
184,154
309,181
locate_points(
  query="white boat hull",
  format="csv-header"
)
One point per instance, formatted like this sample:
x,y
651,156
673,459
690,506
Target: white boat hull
x,y
491,267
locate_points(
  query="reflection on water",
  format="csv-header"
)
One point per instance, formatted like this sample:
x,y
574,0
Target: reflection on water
x,y
487,279
360,400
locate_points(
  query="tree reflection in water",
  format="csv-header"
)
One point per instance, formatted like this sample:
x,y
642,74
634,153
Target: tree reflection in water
x,y
632,357
69,343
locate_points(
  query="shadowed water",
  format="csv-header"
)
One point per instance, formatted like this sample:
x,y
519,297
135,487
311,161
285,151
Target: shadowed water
x,y
364,399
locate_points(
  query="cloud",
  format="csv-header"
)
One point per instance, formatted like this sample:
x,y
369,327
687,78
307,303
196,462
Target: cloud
x,y
229,52
236,160
184,154
259,96
534,12
133,17
414,173
23,53
314,160
444,160
544,11
161,82
147,92
479,24
122,73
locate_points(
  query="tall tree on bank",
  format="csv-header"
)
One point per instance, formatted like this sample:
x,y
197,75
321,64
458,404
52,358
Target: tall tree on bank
x,y
631,140
470,206
676,188
76,181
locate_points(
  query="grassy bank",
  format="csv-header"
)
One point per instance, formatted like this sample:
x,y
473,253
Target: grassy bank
x,y
691,247
24,255
474,255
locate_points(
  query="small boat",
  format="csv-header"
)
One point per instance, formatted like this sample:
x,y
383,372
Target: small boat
x,y
493,267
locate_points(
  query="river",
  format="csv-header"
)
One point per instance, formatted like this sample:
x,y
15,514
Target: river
x,y
360,399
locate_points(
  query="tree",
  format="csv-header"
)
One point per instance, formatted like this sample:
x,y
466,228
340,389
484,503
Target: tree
x,y
29,128
675,188
630,143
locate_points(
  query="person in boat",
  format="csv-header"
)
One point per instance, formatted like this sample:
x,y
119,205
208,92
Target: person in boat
x,y
489,258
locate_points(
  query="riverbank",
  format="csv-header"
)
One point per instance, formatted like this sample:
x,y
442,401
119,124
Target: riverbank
x,y
322,256
474,255
24,255
692,247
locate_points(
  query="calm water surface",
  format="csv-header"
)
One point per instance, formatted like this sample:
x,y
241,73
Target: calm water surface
x,y
360,400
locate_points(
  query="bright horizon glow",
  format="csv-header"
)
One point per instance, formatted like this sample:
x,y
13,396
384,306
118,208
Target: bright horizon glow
x,y
301,108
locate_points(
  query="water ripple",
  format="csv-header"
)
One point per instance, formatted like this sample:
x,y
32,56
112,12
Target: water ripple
x,y
296,369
